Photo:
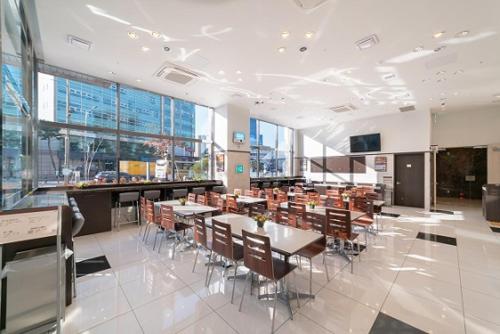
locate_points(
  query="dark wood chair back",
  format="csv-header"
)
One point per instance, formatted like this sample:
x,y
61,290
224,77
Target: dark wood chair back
x,y
297,209
232,204
338,223
191,197
269,192
222,239
167,217
201,199
301,198
142,206
256,209
200,231
284,216
151,217
314,196
257,255
282,197
248,193
213,199
316,222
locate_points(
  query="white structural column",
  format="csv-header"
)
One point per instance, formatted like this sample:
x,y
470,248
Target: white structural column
x,y
229,119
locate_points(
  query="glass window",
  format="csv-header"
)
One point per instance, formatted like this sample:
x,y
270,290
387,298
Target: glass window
x,y
192,120
284,152
167,115
253,132
140,111
142,158
254,161
192,160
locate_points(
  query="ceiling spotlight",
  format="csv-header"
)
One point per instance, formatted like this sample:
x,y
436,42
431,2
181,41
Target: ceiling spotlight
x,y
138,80
462,33
221,72
145,49
133,35
285,34
309,35
166,49
240,79
155,34
238,72
303,49
281,49
438,34
418,49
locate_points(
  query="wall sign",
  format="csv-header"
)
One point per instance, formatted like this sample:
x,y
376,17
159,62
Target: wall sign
x,y
381,164
239,169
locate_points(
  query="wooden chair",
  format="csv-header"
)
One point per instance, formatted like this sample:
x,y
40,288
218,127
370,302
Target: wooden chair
x,y
301,198
169,224
232,205
298,211
152,220
255,191
142,215
249,193
314,196
222,245
332,192
201,199
316,223
213,199
285,216
298,189
201,240
258,258
339,227
221,205
272,206
282,197
256,209
367,221
269,192
191,198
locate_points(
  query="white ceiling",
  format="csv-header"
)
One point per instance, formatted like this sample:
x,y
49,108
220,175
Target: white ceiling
x,y
297,88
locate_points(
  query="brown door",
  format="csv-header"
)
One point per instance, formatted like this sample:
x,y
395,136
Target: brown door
x,y
409,174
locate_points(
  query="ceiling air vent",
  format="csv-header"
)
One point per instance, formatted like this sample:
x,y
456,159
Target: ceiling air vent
x,y
176,74
79,42
343,108
309,4
407,108
367,42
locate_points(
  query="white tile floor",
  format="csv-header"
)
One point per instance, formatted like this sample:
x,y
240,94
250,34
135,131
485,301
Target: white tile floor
x,y
435,287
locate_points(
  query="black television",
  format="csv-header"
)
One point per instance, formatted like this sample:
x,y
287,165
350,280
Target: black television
x,y
365,143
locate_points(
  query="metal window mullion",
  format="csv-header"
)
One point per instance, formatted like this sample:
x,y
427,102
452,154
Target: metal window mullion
x,y
117,136
172,133
276,151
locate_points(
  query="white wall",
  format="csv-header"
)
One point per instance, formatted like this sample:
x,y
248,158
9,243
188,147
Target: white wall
x,y
466,128
399,133
228,119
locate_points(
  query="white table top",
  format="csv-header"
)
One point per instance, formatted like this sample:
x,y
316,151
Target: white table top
x,y
28,226
321,210
284,239
246,199
189,209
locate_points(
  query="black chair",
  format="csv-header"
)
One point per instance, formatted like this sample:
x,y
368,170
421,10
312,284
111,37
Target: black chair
x,y
77,224
152,195
131,197
199,191
219,189
179,193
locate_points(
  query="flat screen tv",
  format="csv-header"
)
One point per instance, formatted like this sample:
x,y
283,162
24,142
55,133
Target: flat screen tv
x,y
365,143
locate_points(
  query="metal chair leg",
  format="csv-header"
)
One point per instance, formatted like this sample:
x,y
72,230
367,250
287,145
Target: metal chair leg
x,y
212,271
326,267
296,288
175,245
196,257
310,276
274,306
234,279
244,289
156,236
162,236
208,267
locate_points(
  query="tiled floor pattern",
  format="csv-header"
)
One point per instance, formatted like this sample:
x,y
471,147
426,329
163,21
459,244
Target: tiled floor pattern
x,y
428,285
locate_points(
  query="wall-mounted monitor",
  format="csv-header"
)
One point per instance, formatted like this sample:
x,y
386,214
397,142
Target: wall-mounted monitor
x,y
238,137
365,143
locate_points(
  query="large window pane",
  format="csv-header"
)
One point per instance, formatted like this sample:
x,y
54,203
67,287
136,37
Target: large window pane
x,y
253,132
140,111
283,159
192,160
192,120
139,157
167,116
254,161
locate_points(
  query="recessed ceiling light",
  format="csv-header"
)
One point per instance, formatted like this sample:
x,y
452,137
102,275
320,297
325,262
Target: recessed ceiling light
x,y
438,34
281,49
145,49
138,80
418,49
238,72
309,35
155,34
133,35
462,33
166,49
303,49
285,34
455,93
221,72
240,79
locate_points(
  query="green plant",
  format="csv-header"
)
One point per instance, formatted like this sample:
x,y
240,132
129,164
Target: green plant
x,y
260,219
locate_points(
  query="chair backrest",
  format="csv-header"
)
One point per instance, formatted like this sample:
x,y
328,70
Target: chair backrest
x,y
301,198
298,189
269,192
150,212
200,230
142,206
198,190
167,219
179,193
315,222
191,197
297,209
329,202
213,199
359,204
202,199
219,189
372,195
256,209
130,196
332,192
232,204
221,205
257,255
272,205
248,193
222,239
152,194
314,196
284,216
282,197
77,223
338,223
255,191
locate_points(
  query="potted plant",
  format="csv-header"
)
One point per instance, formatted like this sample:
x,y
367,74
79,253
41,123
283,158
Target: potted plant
x,y
312,204
260,219
345,196
182,201
276,191
82,185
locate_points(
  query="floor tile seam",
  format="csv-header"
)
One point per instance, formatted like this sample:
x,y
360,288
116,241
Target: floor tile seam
x,y
131,308
461,291
318,324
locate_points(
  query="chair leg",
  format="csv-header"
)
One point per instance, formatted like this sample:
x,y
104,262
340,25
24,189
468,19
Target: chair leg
x,y
234,279
137,213
326,268
156,236
212,271
286,290
244,289
296,288
208,267
163,236
119,215
310,276
274,306
196,257
175,245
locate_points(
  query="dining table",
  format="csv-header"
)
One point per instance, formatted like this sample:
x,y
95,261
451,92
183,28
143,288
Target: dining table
x,y
321,210
187,209
245,200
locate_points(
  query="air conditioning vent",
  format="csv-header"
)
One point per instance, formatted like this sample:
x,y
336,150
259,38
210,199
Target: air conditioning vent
x,y
79,42
407,108
176,74
367,42
309,4
343,108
